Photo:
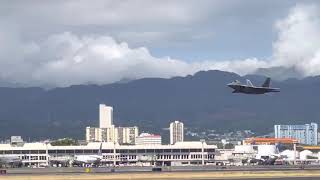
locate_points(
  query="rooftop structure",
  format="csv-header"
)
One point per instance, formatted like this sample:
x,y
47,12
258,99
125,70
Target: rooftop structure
x,y
311,147
16,140
268,141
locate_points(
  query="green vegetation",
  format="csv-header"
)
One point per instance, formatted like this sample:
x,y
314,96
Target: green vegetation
x,y
65,142
226,146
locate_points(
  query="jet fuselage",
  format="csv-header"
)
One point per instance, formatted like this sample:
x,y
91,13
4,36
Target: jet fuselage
x,y
251,90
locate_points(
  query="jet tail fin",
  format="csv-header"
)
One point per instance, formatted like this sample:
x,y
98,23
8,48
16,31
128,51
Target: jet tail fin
x,y
266,82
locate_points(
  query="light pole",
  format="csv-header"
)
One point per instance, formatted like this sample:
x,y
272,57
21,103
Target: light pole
x,y
114,154
47,154
115,142
202,150
295,153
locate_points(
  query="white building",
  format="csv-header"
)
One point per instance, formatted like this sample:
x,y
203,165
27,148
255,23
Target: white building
x,y
91,134
305,134
127,135
107,132
122,135
266,150
243,152
16,139
94,134
148,139
105,116
182,153
176,132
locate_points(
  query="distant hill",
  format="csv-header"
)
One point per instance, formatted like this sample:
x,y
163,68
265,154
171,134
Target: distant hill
x,y
280,72
202,100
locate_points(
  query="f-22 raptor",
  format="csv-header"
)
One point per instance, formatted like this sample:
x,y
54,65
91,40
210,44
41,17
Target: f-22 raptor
x,y
249,88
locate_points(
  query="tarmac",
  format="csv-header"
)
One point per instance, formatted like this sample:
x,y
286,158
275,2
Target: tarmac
x,y
182,172
261,175
129,169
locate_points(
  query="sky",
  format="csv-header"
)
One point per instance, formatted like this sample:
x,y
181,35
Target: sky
x,y
61,43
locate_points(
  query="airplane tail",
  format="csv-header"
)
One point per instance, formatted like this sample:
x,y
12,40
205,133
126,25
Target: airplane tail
x,y
266,83
100,149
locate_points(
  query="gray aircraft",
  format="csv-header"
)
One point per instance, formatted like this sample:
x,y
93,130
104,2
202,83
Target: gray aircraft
x,y
11,160
249,88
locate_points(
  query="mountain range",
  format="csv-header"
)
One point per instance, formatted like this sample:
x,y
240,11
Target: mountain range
x,y
201,100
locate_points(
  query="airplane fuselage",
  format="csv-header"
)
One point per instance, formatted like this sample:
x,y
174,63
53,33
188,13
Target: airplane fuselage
x,y
12,160
87,159
251,89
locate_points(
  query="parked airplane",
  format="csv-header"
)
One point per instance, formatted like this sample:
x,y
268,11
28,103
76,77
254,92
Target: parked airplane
x,y
261,161
63,161
249,88
88,159
11,160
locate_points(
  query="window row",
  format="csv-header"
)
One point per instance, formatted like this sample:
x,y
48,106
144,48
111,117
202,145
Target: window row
x,y
95,151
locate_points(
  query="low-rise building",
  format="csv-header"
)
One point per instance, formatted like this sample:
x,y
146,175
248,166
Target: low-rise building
x,y
148,139
182,153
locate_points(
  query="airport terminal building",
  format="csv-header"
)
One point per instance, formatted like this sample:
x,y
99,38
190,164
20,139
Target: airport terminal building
x,y
181,153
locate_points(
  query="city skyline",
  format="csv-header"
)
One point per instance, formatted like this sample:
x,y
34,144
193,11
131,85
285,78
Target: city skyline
x,y
127,89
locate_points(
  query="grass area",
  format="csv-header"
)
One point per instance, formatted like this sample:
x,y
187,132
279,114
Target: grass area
x,y
168,175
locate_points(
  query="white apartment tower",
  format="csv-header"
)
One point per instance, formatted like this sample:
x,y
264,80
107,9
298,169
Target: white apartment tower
x,y
121,135
305,134
127,135
105,116
94,134
176,132
107,132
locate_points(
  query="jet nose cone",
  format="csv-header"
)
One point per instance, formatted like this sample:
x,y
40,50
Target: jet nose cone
x,y
230,84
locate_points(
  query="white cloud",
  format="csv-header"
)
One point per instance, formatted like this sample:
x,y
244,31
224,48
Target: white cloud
x,y
64,59
298,43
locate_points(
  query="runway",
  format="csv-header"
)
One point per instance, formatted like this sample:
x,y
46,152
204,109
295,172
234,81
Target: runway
x,y
260,175
133,169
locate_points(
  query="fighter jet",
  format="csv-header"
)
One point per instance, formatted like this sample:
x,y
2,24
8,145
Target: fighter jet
x,y
249,88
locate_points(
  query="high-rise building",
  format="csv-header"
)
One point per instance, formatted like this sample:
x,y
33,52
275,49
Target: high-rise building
x,y
121,135
92,134
148,139
127,135
105,116
305,134
176,132
107,132
110,134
